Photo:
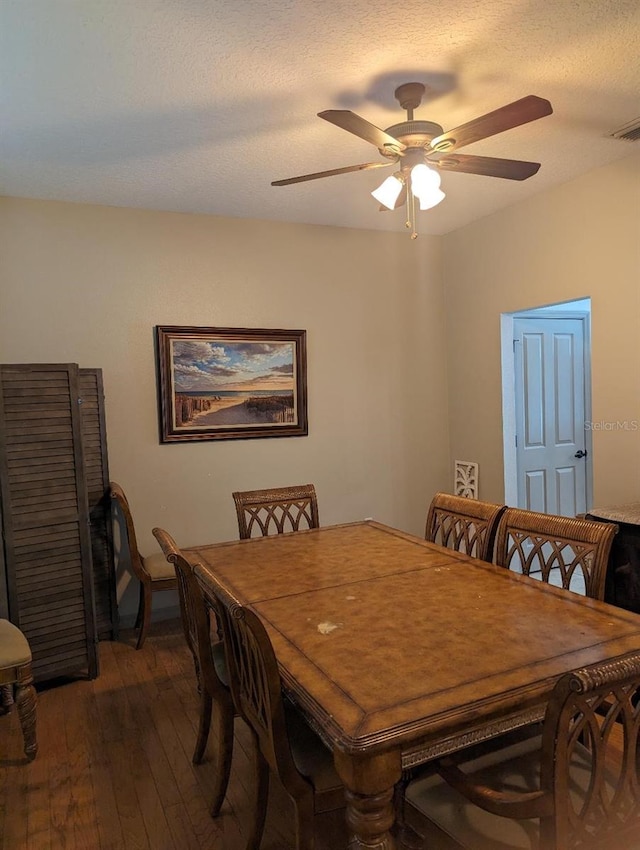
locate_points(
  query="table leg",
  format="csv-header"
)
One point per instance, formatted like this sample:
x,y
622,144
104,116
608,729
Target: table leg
x,y
369,785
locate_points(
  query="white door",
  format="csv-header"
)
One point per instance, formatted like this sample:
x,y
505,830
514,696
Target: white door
x,y
551,455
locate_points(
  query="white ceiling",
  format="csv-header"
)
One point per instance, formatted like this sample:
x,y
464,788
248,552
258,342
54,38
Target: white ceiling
x,y
197,105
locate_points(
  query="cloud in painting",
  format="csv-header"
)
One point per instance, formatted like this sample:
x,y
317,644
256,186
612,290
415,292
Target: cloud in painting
x,y
229,365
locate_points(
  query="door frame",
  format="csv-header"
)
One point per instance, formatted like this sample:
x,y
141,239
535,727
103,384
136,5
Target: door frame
x,y
509,395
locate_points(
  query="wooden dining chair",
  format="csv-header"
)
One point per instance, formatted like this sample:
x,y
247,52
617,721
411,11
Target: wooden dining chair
x,y
283,741
575,787
153,572
276,510
15,670
466,525
563,551
210,665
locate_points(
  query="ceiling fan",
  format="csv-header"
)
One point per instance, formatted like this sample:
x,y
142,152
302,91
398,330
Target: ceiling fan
x,y
419,148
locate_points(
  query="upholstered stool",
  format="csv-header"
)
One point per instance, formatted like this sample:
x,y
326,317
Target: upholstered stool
x,y
15,669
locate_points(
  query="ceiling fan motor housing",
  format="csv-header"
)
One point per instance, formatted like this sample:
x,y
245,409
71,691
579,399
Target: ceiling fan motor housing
x,y
413,134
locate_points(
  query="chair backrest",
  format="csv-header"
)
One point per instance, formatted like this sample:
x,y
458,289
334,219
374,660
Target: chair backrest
x,y
117,494
193,612
466,525
593,712
276,510
567,552
256,686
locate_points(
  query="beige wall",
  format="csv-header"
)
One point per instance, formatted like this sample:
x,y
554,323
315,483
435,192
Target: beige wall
x,y
87,284
403,375
579,239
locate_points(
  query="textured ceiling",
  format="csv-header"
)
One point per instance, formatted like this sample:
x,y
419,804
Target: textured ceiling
x,y
197,105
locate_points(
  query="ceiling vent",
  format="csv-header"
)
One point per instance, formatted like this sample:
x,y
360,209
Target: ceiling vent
x,y
630,132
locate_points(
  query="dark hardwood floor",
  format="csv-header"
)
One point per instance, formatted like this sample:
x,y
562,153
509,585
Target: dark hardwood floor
x,y
114,771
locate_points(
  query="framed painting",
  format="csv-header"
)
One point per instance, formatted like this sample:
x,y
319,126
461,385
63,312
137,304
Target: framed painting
x,y
230,383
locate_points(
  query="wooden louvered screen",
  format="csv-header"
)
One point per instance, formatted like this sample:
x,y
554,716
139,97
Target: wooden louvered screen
x,y
94,445
47,547
4,599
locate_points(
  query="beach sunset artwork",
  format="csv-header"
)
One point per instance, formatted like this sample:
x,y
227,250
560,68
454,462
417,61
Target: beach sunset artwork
x,y
225,383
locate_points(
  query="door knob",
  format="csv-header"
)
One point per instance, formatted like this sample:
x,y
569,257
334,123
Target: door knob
x,y
580,454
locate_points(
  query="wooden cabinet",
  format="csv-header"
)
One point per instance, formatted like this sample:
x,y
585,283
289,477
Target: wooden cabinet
x,y
622,586
54,506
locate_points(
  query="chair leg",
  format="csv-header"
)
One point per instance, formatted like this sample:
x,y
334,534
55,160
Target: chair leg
x,y
145,590
408,839
224,735
305,832
203,726
140,614
26,703
262,796
196,667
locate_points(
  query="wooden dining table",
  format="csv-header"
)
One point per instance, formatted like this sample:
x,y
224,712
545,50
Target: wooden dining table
x,y
398,651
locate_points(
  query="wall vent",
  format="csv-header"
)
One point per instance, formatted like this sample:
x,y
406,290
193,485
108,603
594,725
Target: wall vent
x,y
466,479
629,133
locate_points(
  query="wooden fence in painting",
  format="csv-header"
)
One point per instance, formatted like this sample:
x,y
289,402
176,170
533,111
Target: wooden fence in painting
x,y
275,408
187,406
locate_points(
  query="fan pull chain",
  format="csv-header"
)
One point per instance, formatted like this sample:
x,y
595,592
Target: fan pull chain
x,y
411,222
414,231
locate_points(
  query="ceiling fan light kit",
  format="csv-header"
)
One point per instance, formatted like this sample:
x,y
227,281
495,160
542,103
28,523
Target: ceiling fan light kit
x,y
424,179
432,200
388,191
425,185
421,149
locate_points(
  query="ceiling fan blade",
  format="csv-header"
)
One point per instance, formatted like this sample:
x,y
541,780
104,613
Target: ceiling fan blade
x,y
353,123
513,115
347,168
489,166
400,201
364,166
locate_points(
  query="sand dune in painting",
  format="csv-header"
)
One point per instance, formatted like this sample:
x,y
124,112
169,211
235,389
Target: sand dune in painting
x,y
227,411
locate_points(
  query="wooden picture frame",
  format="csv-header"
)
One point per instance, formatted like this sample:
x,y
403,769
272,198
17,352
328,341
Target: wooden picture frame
x,y
230,383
